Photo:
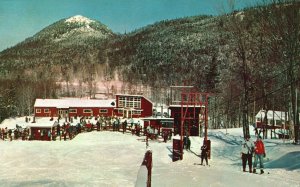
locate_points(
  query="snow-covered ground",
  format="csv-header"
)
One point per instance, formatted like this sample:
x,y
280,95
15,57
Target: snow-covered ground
x,y
113,159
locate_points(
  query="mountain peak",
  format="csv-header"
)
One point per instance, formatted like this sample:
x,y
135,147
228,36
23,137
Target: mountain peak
x,y
74,28
79,19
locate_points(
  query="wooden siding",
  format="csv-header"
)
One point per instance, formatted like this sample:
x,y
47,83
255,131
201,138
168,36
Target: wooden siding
x,y
192,124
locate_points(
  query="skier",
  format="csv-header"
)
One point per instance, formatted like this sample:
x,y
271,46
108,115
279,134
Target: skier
x,y
138,130
58,129
246,153
259,154
165,136
184,142
10,134
256,131
98,125
188,144
204,152
147,143
124,126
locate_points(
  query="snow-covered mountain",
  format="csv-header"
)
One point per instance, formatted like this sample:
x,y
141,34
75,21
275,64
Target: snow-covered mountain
x,y
71,40
78,26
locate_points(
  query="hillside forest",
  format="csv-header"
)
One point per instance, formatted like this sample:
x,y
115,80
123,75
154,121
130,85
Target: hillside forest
x,y
247,60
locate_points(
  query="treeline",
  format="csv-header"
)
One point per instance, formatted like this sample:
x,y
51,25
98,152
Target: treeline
x,y
263,64
248,60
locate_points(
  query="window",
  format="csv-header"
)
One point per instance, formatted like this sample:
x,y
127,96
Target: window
x,y
167,124
122,102
129,102
137,112
136,102
38,110
46,110
87,111
103,111
72,110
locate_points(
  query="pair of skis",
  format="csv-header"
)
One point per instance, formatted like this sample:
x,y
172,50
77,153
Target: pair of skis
x,y
201,164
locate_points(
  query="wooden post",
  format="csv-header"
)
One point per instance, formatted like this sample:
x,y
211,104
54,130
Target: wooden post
x,y
148,163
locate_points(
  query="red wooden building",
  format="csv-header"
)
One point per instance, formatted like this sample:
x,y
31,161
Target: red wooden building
x,y
159,124
189,110
41,129
192,120
73,107
133,106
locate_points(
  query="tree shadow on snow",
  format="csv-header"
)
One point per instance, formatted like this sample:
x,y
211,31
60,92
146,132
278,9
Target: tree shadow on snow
x,y
289,161
170,148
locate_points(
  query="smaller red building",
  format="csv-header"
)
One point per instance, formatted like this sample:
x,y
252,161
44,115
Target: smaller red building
x,y
159,124
133,106
41,129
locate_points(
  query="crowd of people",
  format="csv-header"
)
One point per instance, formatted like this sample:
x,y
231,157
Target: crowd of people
x,y
14,134
68,127
99,123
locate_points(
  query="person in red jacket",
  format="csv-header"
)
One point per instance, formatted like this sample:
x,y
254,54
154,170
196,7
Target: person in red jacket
x,y
259,154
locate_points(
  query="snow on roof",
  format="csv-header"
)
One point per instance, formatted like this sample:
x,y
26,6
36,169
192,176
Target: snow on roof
x,y
20,121
73,102
43,122
190,106
158,118
130,95
278,115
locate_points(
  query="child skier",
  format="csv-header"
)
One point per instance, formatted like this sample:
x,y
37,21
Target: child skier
x,y
204,152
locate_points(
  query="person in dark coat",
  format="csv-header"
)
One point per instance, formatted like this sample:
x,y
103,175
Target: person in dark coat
x,y
9,134
58,129
98,126
204,153
65,134
165,136
188,143
184,142
124,126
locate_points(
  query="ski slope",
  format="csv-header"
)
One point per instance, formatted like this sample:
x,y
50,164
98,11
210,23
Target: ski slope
x,y
113,159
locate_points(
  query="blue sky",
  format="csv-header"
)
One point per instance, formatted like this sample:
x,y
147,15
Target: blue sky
x,y
20,19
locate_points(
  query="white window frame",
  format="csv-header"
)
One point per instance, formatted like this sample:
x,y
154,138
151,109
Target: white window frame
x,y
73,110
130,102
137,112
38,110
87,111
103,111
46,110
122,101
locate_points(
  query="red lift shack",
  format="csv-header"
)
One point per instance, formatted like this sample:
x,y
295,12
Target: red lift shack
x,y
190,112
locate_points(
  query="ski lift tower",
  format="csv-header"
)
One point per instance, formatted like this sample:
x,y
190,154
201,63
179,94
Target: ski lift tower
x,y
189,109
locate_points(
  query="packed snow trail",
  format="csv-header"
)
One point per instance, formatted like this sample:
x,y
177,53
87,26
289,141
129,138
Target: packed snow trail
x,y
114,159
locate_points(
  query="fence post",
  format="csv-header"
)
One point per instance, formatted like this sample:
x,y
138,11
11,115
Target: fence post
x,y
148,163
